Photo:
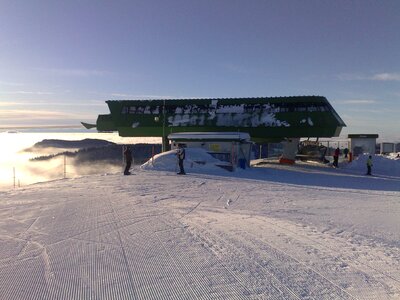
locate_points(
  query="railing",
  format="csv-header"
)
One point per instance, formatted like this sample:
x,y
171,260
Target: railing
x,y
59,169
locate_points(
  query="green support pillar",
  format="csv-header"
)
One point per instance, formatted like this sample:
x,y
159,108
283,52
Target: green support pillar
x,y
165,144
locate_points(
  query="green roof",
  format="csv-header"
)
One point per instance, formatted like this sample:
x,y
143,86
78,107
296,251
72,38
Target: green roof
x,y
262,117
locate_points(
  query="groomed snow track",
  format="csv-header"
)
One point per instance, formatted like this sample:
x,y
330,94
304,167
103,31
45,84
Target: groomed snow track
x,y
159,236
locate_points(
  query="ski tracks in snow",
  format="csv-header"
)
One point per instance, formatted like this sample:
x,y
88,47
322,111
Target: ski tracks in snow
x,y
155,236
261,251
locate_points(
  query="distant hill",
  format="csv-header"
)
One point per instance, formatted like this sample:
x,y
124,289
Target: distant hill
x,y
97,151
113,153
64,144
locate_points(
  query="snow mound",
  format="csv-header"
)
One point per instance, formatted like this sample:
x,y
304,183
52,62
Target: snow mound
x,y
197,161
382,165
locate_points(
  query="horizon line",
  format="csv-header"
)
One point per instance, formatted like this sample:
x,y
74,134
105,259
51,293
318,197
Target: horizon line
x,y
40,126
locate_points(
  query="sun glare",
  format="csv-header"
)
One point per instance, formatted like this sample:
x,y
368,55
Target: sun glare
x,y
15,163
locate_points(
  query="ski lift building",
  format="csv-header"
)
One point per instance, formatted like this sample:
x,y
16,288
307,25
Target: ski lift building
x,y
265,119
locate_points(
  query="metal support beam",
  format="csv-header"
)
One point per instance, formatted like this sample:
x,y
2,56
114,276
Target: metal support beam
x,y
165,144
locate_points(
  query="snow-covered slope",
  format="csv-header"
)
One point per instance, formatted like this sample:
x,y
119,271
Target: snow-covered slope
x,y
280,232
382,165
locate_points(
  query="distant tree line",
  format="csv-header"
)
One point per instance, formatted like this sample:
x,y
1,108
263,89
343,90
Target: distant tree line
x,y
64,144
107,154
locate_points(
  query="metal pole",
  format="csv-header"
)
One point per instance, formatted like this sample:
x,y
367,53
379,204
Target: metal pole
x,y
65,166
123,157
232,156
164,140
260,151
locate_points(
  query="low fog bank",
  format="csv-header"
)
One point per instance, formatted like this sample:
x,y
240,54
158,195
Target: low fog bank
x,y
55,159
110,153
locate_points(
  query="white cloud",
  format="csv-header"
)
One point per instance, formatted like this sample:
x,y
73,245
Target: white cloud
x,y
7,83
76,72
351,76
386,77
132,96
356,101
8,103
374,77
27,93
43,115
49,103
387,112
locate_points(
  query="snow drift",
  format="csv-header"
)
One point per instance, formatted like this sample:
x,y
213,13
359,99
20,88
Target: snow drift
x,y
382,165
197,161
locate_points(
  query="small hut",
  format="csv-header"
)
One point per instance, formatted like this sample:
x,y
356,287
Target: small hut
x,y
362,143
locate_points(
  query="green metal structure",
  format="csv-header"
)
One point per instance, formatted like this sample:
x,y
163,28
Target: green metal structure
x,y
264,118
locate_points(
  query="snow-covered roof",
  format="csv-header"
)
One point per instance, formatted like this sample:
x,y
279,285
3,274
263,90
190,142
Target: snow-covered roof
x,y
231,136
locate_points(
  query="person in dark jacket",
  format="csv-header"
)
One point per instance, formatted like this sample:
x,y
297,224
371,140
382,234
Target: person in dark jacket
x,y
180,153
336,157
345,152
369,165
128,160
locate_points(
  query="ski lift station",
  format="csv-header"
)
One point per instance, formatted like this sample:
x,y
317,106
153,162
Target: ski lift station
x,y
263,119
386,148
232,147
362,143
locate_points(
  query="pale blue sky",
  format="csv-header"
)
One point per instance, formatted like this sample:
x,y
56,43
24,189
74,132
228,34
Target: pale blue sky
x,y
60,60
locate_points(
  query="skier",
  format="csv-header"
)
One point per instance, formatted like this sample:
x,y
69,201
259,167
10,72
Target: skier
x,y
336,157
369,165
345,152
128,160
180,153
